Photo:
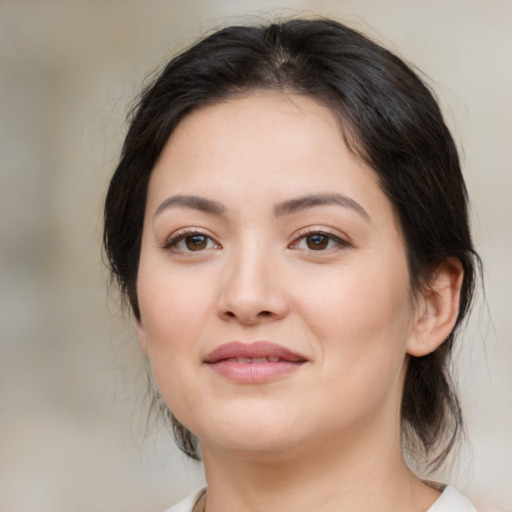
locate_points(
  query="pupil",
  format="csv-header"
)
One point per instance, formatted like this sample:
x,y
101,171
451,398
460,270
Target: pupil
x,y
317,242
196,243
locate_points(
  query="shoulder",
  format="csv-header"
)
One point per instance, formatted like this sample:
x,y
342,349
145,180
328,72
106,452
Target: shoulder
x,y
452,501
188,503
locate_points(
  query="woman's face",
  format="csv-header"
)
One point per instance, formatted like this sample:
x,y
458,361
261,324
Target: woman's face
x,y
273,284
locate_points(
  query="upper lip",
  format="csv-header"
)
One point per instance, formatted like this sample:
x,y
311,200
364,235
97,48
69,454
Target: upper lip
x,y
252,350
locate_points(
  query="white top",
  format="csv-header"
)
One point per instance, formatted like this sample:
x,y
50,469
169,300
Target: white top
x,y
452,501
449,501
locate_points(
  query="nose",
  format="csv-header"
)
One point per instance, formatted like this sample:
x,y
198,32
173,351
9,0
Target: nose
x,y
252,290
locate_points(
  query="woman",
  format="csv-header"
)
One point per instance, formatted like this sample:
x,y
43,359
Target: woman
x,y
289,224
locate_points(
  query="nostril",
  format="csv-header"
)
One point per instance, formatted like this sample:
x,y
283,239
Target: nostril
x,y
261,314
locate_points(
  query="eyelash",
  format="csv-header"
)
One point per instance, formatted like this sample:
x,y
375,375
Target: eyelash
x,y
173,241
331,237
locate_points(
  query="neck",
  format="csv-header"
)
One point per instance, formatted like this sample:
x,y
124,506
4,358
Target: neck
x,y
348,475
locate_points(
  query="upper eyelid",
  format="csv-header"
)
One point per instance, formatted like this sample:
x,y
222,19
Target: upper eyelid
x,y
180,234
189,231
311,230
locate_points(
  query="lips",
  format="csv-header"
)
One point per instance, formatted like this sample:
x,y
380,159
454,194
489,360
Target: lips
x,y
254,362
254,351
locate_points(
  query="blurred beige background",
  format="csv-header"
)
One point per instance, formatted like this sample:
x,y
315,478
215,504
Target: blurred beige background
x,y
72,422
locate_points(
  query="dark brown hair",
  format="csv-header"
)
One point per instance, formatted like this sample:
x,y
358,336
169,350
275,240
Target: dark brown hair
x,y
389,118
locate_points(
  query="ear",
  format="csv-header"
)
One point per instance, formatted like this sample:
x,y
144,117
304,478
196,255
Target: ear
x,y
141,334
437,309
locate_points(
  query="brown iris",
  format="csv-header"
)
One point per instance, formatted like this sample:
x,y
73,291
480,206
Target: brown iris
x,y
317,242
196,242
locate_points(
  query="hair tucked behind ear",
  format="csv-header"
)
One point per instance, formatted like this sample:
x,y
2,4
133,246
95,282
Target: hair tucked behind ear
x,y
389,118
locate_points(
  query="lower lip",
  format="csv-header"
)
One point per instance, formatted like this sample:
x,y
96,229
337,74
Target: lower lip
x,y
253,373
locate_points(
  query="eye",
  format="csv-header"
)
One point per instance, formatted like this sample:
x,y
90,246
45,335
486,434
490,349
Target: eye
x,y
191,242
318,241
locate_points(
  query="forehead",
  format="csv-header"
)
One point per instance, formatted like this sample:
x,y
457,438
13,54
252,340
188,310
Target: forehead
x,y
269,123
262,145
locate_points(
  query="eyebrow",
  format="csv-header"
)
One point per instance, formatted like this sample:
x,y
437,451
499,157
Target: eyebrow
x,y
310,201
288,207
193,202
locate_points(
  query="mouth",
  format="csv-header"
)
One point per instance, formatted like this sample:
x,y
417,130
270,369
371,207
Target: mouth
x,y
256,362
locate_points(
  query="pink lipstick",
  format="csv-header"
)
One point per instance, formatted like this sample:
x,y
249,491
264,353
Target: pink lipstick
x,y
256,362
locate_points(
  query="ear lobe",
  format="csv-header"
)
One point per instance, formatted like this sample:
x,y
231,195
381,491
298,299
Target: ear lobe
x,y
141,335
438,309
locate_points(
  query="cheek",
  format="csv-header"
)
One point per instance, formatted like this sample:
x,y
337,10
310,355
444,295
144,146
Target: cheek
x,y
364,333
364,322
174,319
359,302
173,306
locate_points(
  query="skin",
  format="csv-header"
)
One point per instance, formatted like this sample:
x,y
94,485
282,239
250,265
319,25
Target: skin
x,y
326,436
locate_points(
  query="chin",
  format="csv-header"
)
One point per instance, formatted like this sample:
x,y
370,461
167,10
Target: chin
x,y
254,446
256,434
